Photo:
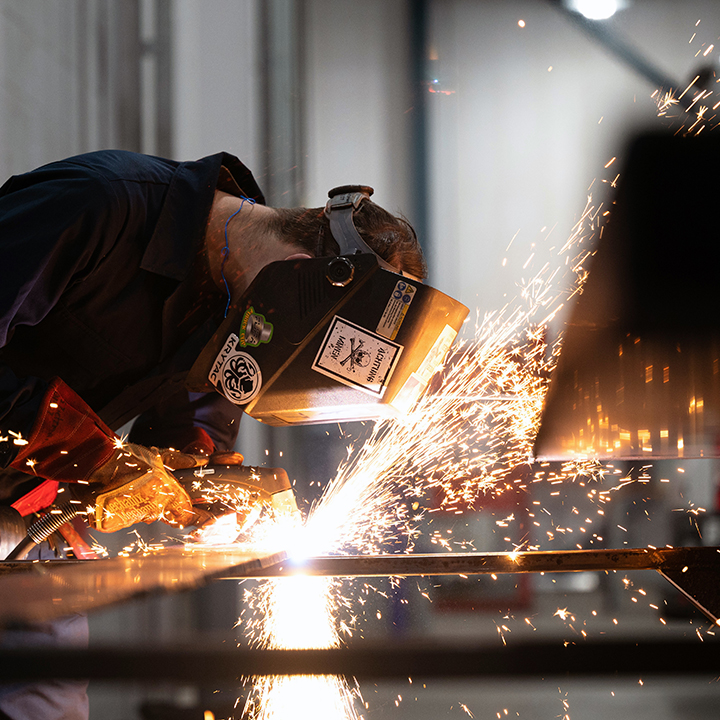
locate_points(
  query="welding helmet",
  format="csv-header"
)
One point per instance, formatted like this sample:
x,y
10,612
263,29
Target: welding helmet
x,y
330,338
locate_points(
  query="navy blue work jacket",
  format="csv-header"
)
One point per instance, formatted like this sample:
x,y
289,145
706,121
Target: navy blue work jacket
x,y
97,255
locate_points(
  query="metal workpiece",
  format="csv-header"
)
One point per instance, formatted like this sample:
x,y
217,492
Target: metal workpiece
x,y
694,571
37,591
670,559
34,591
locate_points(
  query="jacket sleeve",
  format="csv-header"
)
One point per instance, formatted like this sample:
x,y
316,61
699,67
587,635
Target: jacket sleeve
x,y
55,224
190,420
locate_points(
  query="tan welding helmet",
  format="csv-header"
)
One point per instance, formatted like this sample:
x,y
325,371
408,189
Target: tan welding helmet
x,y
332,338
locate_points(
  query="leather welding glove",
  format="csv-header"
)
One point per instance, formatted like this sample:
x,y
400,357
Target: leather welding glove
x,y
70,443
197,441
135,486
182,459
200,450
200,447
226,457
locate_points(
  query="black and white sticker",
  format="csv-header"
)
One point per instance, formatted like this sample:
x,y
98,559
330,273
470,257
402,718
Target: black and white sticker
x,y
357,357
235,373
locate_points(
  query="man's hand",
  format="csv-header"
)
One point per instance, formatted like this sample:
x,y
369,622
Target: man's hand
x,y
120,484
135,486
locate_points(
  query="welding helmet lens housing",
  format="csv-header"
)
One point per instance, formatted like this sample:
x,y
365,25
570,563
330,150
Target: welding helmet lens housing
x,y
330,338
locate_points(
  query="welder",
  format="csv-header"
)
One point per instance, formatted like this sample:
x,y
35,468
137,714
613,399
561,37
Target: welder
x,y
116,270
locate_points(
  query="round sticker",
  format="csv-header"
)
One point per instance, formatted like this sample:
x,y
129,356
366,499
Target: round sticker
x,y
240,378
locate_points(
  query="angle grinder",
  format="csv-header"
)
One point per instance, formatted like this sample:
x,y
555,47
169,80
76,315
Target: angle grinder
x,y
217,489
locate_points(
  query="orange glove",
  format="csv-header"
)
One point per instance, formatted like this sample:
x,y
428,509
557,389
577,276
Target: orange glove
x,y
134,486
226,457
125,484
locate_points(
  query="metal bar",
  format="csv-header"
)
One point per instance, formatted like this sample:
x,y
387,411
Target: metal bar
x,y
38,591
662,559
217,667
694,571
486,563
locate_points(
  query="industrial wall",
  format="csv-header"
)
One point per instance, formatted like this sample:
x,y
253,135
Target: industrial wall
x,y
524,120
69,80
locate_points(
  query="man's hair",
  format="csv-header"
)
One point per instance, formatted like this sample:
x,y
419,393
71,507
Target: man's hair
x,y
391,237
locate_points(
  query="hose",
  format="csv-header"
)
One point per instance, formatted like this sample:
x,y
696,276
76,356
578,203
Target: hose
x,y
42,529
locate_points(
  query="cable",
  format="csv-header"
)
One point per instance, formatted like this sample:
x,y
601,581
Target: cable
x,y
226,250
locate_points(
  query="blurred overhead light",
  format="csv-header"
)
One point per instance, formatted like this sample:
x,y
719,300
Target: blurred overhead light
x,y
595,9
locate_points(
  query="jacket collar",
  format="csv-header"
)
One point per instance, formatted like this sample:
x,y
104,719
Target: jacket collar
x,y
185,211
181,228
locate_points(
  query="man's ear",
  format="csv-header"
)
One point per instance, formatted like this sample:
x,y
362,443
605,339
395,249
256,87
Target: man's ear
x,y
299,256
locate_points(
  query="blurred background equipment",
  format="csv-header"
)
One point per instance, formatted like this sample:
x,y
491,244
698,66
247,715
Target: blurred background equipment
x,y
639,373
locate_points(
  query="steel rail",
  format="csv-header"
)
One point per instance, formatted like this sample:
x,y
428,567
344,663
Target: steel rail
x,y
487,563
39,591
694,571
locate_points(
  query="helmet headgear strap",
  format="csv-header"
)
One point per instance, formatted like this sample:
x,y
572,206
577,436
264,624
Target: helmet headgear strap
x,y
344,201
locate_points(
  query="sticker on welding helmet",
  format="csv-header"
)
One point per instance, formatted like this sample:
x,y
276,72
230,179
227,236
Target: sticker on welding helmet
x,y
357,357
235,374
254,329
396,309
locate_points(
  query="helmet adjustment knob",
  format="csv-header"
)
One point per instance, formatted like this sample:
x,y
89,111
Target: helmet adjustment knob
x,y
340,271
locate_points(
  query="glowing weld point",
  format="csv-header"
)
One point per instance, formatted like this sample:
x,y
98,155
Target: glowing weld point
x,y
562,613
221,532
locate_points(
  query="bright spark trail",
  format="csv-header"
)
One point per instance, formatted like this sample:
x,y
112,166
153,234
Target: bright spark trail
x,y
465,436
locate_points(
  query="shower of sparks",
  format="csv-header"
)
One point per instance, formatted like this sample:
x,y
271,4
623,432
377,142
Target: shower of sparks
x,y
298,612
468,438
459,443
694,108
